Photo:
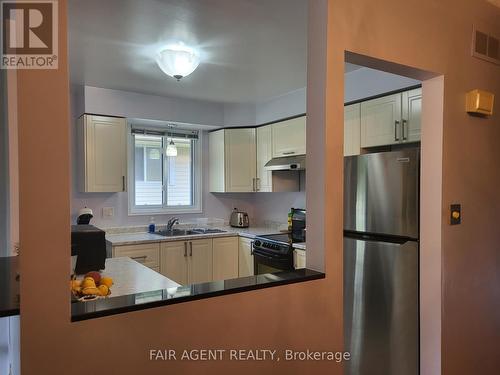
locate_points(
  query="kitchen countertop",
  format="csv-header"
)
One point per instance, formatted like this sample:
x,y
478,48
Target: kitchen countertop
x,y
139,301
299,245
132,277
141,238
9,286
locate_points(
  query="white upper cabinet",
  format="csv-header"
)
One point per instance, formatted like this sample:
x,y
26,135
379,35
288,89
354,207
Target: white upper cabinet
x,y
240,160
391,119
289,137
352,129
233,165
102,153
412,110
264,154
216,161
380,121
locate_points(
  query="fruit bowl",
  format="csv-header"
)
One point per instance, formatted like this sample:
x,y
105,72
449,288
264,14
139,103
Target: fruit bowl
x,y
93,286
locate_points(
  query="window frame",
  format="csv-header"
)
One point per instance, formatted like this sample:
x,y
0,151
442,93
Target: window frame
x,y
197,179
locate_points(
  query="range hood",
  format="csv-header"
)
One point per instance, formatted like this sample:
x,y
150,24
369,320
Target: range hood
x,y
287,163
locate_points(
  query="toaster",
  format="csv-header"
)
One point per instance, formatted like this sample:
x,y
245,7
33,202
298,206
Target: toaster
x,y
239,219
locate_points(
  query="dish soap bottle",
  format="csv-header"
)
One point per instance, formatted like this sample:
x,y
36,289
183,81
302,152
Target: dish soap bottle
x,y
290,217
152,226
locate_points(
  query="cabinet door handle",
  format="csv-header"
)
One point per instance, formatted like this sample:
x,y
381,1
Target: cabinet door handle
x,y
403,130
289,153
253,185
123,183
251,247
257,184
185,249
190,249
396,124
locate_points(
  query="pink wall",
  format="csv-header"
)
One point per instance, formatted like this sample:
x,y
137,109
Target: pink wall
x,y
429,35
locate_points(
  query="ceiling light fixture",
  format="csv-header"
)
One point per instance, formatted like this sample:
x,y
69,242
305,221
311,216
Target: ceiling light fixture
x,y
171,147
178,60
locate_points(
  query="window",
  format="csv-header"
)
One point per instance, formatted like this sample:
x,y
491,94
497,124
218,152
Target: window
x,y
161,183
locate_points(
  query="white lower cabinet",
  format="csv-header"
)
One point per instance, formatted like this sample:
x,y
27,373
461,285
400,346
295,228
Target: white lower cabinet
x,y
200,262
187,262
194,261
174,261
225,258
245,261
146,254
299,259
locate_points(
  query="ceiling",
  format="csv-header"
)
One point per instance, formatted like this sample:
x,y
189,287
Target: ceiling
x,y
250,49
348,67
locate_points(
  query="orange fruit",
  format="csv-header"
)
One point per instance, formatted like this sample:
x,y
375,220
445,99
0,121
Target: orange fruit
x,y
103,290
88,282
108,281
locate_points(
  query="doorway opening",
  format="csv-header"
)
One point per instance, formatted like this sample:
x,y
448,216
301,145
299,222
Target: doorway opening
x,y
393,119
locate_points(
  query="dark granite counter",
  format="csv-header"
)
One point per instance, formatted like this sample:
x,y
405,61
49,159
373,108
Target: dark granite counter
x,y
9,286
139,301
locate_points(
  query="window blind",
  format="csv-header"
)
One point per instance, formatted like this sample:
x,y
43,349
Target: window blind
x,y
174,133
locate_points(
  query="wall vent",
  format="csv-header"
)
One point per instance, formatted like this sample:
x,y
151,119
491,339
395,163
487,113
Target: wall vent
x,y
485,46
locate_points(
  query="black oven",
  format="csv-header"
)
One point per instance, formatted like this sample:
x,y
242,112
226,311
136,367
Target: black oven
x,y
266,262
272,254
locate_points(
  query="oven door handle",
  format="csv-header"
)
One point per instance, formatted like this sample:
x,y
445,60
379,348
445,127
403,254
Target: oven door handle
x,y
256,252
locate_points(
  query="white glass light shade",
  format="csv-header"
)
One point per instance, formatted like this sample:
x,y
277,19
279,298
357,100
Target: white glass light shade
x,y
178,61
171,149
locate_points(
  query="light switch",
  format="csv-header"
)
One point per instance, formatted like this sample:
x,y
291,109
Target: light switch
x,y
108,212
455,214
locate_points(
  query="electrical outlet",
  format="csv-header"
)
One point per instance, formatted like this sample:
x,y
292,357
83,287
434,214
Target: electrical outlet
x,y
108,212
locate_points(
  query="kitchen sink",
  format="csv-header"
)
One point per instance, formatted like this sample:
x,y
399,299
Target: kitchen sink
x,y
188,232
207,231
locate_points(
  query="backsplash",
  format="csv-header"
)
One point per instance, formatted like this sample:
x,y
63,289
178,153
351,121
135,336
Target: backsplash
x,y
264,209
198,223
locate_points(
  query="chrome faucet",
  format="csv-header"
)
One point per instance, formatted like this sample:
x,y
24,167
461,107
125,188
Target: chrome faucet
x,y
172,222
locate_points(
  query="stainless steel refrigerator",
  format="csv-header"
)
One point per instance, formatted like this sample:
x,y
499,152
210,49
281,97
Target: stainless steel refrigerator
x,y
381,263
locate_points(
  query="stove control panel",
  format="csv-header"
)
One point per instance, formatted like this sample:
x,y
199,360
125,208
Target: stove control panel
x,y
276,247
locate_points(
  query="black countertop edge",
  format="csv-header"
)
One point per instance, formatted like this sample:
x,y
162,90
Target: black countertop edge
x,y
81,311
9,286
9,312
